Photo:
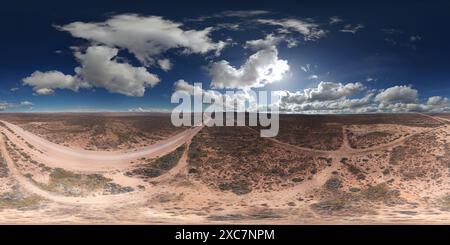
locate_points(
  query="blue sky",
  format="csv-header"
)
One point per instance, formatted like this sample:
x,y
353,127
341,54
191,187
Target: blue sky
x,y
340,56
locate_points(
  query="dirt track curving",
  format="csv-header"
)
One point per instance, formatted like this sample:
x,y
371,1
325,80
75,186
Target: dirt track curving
x,y
82,160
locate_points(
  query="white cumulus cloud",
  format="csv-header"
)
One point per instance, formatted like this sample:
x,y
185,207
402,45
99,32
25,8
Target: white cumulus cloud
x,y
266,42
227,101
44,83
144,36
261,68
402,94
98,68
165,64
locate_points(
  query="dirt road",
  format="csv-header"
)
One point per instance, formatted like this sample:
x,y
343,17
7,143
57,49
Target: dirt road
x,y
55,155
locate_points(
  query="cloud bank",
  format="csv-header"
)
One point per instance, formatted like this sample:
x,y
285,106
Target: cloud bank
x,y
331,98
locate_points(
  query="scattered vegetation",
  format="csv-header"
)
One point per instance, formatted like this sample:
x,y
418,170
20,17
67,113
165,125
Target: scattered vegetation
x,y
414,159
156,167
195,152
353,169
4,171
98,132
398,154
313,132
16,199
380,192
254,214
444,203
328,207
114,189
241,158
333,183
364,139
7,201
74,184
237,187
377,192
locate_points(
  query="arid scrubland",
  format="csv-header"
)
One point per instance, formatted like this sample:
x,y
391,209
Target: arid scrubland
x,y
377,168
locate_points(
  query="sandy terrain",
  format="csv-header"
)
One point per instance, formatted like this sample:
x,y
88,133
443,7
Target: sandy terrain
x,y
385,169
84,160
100,131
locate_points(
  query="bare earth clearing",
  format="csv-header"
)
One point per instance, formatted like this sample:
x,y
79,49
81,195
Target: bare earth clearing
x,y
138,168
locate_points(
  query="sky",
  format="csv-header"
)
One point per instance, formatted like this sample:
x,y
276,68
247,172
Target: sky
x,y
317,56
